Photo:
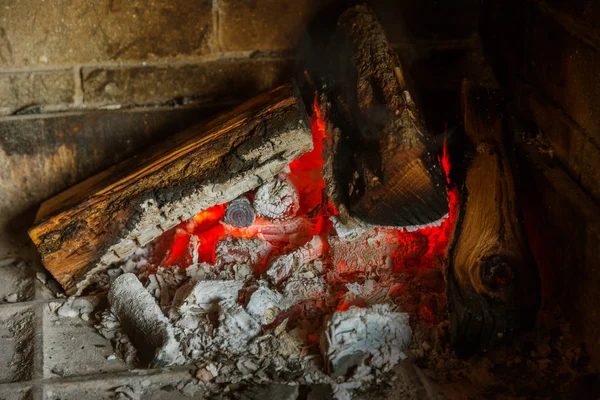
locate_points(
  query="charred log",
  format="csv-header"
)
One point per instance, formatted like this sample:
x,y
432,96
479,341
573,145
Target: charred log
x,y
382,168
106,217
493,286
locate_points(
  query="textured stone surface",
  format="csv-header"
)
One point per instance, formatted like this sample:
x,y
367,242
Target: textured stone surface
x,y
70,340
563,227
590,169
565,67
67,32
21,89
427,19
246,25
216,81
579,15
17,327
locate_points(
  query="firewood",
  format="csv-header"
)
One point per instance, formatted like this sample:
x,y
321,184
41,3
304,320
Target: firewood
x,y
382,168
493,286
108,216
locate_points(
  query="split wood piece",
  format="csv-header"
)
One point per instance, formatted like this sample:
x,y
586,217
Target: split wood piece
x,y
493,285
383,168
108,216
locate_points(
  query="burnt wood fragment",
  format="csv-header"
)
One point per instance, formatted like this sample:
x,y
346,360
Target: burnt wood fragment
x,y
240,213
493,285
108,216
382,166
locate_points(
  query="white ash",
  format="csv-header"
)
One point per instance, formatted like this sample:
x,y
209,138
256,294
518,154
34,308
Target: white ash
x,y
277,200
365,340
199,297
282,267
349,228
236,257
77,307
265,304
241,250
101,279
203,309
144,322
164,283
300,290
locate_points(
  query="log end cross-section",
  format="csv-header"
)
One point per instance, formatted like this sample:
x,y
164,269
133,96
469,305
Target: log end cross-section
x,y
383,165
106,217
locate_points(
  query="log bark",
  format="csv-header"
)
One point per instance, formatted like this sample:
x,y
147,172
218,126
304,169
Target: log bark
x,y
493,285
383,168
108,216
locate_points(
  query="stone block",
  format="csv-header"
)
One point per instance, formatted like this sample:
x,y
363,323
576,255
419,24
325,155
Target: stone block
x,y
14,392
16,281
566,138
149,384
17,331
264,24
35,33
22,89
73,347
215,81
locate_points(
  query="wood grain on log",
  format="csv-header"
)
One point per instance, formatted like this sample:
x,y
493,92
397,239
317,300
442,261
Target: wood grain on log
x,y
384,169
493,286
106,217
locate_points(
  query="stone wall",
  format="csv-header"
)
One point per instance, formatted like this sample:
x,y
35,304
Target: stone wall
x,y
64,55
547,55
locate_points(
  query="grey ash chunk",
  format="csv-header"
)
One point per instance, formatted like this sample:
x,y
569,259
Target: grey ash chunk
x,y
373,337
144,322
277,200
240,213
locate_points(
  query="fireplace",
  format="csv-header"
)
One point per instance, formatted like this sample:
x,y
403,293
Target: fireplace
x,y
299,201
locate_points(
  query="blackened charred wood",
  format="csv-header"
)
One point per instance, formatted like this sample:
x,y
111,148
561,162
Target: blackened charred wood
x,y
493,285
383,167
108,216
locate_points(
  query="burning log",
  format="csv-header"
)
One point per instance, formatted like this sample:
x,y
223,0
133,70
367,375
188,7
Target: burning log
x,y
382,169
493,286
108,216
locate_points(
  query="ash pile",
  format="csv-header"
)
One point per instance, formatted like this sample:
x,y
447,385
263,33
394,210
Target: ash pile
x,y
265,293
275,287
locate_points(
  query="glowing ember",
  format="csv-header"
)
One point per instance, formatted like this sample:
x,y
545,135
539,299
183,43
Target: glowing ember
x,y
388,252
